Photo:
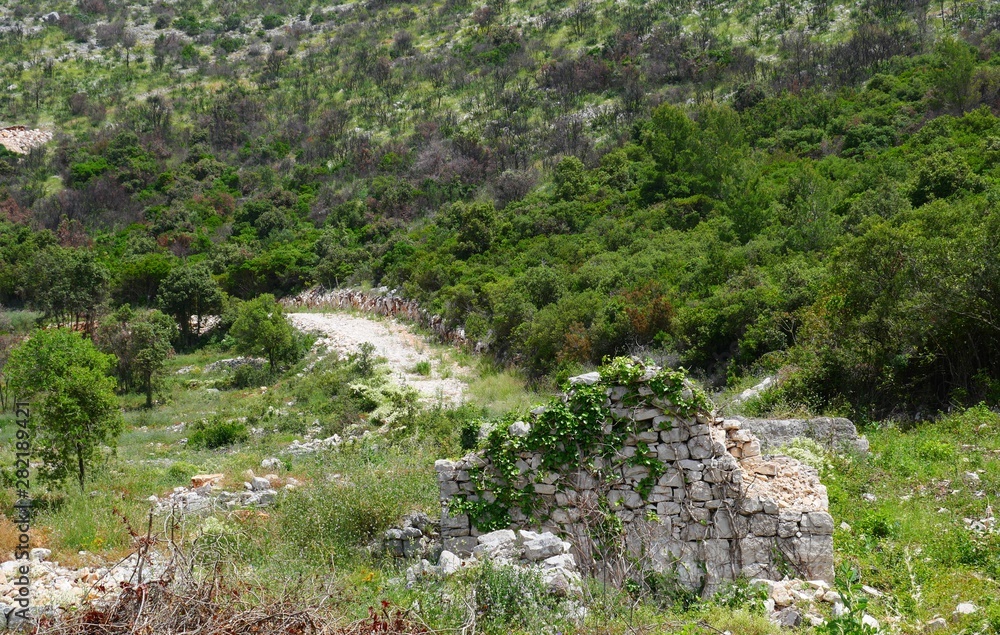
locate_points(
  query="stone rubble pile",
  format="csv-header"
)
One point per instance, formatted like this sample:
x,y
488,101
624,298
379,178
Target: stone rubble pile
x,y
717,510
234,363
545,553
21,140
206,495
55,588
789,602
416,537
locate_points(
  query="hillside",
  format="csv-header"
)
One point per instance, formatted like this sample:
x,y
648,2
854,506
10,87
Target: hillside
x,y
781,189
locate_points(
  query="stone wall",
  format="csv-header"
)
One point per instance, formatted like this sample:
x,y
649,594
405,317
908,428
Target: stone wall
x,y
718,509
385,302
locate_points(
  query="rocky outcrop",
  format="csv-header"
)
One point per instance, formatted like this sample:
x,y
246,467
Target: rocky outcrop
x,y
834,433
21,140
700,503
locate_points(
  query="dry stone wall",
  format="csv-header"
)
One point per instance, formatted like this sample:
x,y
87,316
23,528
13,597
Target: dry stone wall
x,y
382,301
682,493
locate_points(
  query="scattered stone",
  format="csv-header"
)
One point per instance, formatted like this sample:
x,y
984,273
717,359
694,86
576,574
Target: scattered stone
x,y
270,464
963,609
789,618
259,484
39,554
449,563
870,498
870,621
206,479
936,624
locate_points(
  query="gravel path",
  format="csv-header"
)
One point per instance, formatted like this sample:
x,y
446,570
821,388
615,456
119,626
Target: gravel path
x,y
401,348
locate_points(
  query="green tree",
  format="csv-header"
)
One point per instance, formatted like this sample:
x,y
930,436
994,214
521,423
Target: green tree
x,y
570,179
262,329
190,291
953,77
141,342
65,283
75,400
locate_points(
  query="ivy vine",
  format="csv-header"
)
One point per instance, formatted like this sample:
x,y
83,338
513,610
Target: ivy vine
x,y
569,432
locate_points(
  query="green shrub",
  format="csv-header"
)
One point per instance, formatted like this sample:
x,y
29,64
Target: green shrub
x,y
509,598
217,434
271,21
336,520
877,525
423,368
250,376
931,450
181,472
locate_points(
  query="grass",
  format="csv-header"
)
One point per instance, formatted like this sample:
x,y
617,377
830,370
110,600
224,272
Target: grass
x,y
924,561
911,540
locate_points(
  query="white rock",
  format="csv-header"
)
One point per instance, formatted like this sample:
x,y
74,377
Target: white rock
x,y
544,546
449,563
965,608
519,429
39,554
586,379
870,621
270,464
497,545
935,624
259,484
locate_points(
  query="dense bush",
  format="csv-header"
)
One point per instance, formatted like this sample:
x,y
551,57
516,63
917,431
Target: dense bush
x,y
797,211
217,433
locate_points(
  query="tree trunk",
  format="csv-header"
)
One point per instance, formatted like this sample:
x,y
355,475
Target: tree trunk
x,y
79,460
149,391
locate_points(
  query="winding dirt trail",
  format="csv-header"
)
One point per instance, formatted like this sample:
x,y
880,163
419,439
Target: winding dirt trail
x,y
402,349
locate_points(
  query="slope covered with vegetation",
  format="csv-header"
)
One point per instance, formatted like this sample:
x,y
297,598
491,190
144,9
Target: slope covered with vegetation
x,y
743,186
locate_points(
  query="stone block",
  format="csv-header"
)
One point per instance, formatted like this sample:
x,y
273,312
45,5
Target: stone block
x,y
817,523
672,478
764,525
700,447
460,545
701,491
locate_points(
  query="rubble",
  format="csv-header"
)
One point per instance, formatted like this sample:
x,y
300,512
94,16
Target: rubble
x,y
21,140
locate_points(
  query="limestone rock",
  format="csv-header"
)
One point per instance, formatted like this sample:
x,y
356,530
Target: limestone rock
x,y
835,433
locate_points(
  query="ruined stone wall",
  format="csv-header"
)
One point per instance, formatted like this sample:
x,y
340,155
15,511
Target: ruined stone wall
x,y
717,509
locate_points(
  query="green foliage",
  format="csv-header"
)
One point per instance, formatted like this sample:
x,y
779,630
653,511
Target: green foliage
x,y
217,433
187,292
250,376
568,433
509,597
262,329
76,409
855,603
141,343
181,472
